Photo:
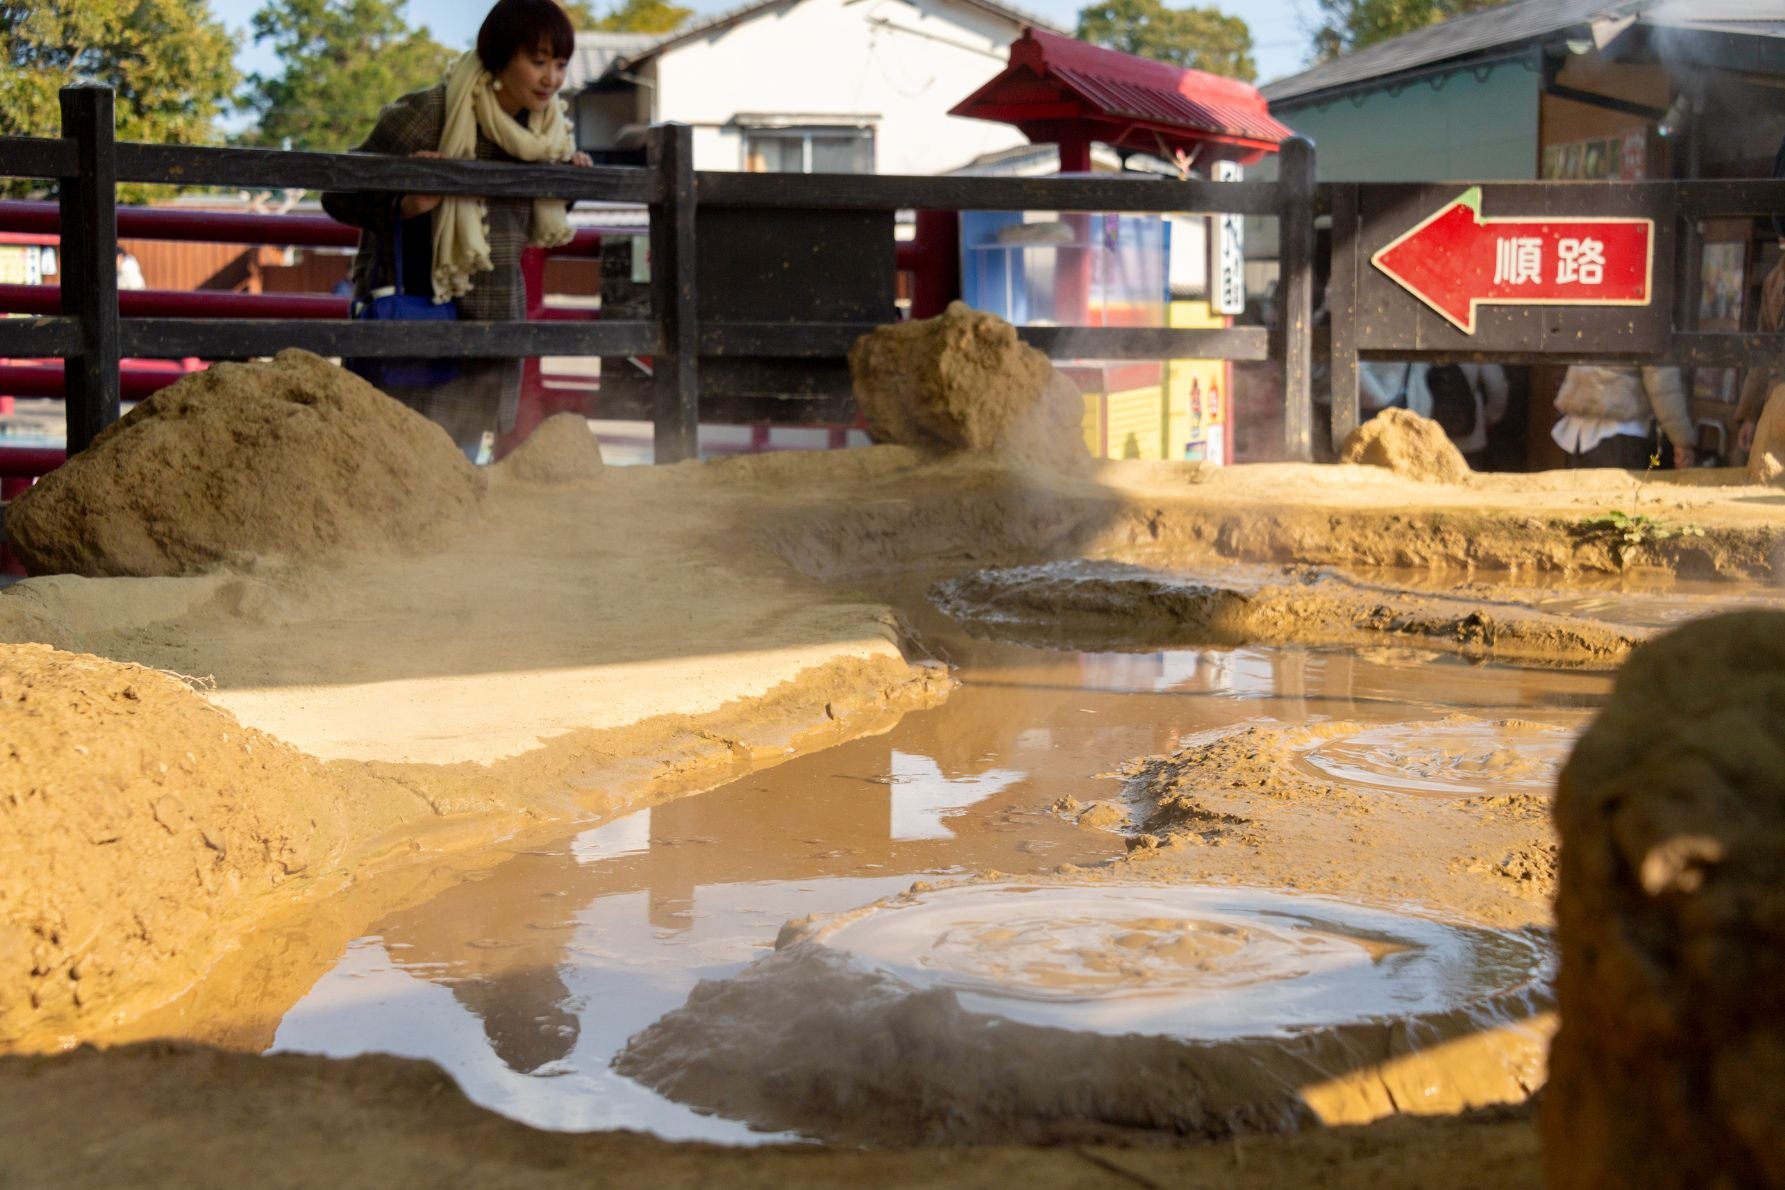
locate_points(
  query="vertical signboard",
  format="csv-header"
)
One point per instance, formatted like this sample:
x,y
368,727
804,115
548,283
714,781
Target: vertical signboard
x,y
1227,251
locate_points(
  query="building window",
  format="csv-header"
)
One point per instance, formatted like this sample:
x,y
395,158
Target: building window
x,y
809,150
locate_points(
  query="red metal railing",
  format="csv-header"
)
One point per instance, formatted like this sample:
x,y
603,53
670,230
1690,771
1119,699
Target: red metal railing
x,y
541,395
235,227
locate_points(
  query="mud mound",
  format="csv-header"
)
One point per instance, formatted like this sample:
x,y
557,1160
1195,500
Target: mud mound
x,y
987,1013
563,449
1411,446
963,381
136,820
1766,458
164,1114
1669,1069
293,457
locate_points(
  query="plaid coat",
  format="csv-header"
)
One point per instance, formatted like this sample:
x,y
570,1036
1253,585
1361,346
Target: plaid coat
x,y
485,394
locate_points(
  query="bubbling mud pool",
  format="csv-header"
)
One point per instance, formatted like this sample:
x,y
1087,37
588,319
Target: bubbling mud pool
x,y
1444,759
526,980
1192,962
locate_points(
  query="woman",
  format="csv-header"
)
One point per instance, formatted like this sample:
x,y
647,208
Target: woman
x,y
498,103
1608,414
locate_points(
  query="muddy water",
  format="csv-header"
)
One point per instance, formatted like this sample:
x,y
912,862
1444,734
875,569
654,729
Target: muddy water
x,y
1198,963
1442,759
525,982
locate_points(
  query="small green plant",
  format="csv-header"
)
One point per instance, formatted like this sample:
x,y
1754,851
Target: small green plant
x,y
1654,462
1626,531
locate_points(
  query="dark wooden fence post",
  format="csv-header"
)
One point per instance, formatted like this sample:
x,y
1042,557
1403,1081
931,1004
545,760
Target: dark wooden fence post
x,y
1295,290
676,365
89,264
1341,306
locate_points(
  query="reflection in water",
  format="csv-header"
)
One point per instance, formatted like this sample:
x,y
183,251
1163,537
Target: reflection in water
x,y
1198,963
525,981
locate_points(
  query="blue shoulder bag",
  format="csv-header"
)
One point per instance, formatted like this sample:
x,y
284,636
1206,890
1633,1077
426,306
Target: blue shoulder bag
x,y
395,305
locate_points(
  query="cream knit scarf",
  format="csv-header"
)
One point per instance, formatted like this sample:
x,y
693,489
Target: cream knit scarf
x,y
461,230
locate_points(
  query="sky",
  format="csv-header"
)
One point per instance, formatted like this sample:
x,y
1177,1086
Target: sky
x,y
1279,27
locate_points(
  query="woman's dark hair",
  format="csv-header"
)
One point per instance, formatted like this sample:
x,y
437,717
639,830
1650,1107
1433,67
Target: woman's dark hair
x,y
516,25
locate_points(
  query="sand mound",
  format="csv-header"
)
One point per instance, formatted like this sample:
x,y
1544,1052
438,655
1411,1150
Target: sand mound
x,y
1766,458
562,450
1669,1069
963,381
137,822
294,458
1411,446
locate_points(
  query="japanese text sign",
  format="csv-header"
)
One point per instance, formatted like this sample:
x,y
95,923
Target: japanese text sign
x,y
1456,260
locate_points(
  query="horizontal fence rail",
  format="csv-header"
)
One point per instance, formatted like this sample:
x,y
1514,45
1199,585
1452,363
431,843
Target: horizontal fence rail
x,y
54,337
187,166
216,338
36,157
825,340
891,192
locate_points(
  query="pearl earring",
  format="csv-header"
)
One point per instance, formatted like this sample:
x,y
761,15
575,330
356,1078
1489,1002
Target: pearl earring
x,y
495,84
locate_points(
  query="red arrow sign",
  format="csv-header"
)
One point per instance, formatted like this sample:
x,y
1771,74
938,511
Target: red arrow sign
x,y
1456,261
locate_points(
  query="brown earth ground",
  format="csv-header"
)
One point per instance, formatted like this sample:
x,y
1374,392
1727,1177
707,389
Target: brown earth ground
x,y
595,646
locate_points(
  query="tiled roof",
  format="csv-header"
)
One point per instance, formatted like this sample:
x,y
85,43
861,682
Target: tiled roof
x,y
1459,37
1523,23
595,52
737,16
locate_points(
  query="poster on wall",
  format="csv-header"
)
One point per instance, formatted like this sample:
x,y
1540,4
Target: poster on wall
x,y
1720,293
1602,159
1720,299
1634,158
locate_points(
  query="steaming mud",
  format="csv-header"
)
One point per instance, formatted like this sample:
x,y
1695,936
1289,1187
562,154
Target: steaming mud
x,y
1199,963
561,939
1454,759
1106,604
526,980
995,1012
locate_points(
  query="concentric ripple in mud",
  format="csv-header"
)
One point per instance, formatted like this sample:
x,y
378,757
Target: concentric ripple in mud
x,y
1192,962
1460,759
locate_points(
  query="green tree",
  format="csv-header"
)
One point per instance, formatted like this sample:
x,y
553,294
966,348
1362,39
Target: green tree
x,y
1348,25
582,15
1194,38
170,62
632,16
343,61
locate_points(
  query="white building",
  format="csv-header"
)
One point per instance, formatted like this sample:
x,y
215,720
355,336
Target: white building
x,y
813,86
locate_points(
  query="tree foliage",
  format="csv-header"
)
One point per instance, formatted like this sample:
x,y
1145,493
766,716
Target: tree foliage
x,y
1194,38
170,62
582,13
1348,25
343,60
632,16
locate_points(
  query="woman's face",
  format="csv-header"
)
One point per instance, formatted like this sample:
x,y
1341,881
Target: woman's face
x,y
533,78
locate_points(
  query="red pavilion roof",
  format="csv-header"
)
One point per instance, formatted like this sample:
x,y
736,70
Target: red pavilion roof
x,y
1124,101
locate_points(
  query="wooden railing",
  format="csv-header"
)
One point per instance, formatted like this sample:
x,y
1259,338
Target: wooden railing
x,y
1368,320
87,164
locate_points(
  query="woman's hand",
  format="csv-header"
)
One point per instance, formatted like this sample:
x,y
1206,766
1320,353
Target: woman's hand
x,y
420,204
1744,436
582,160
